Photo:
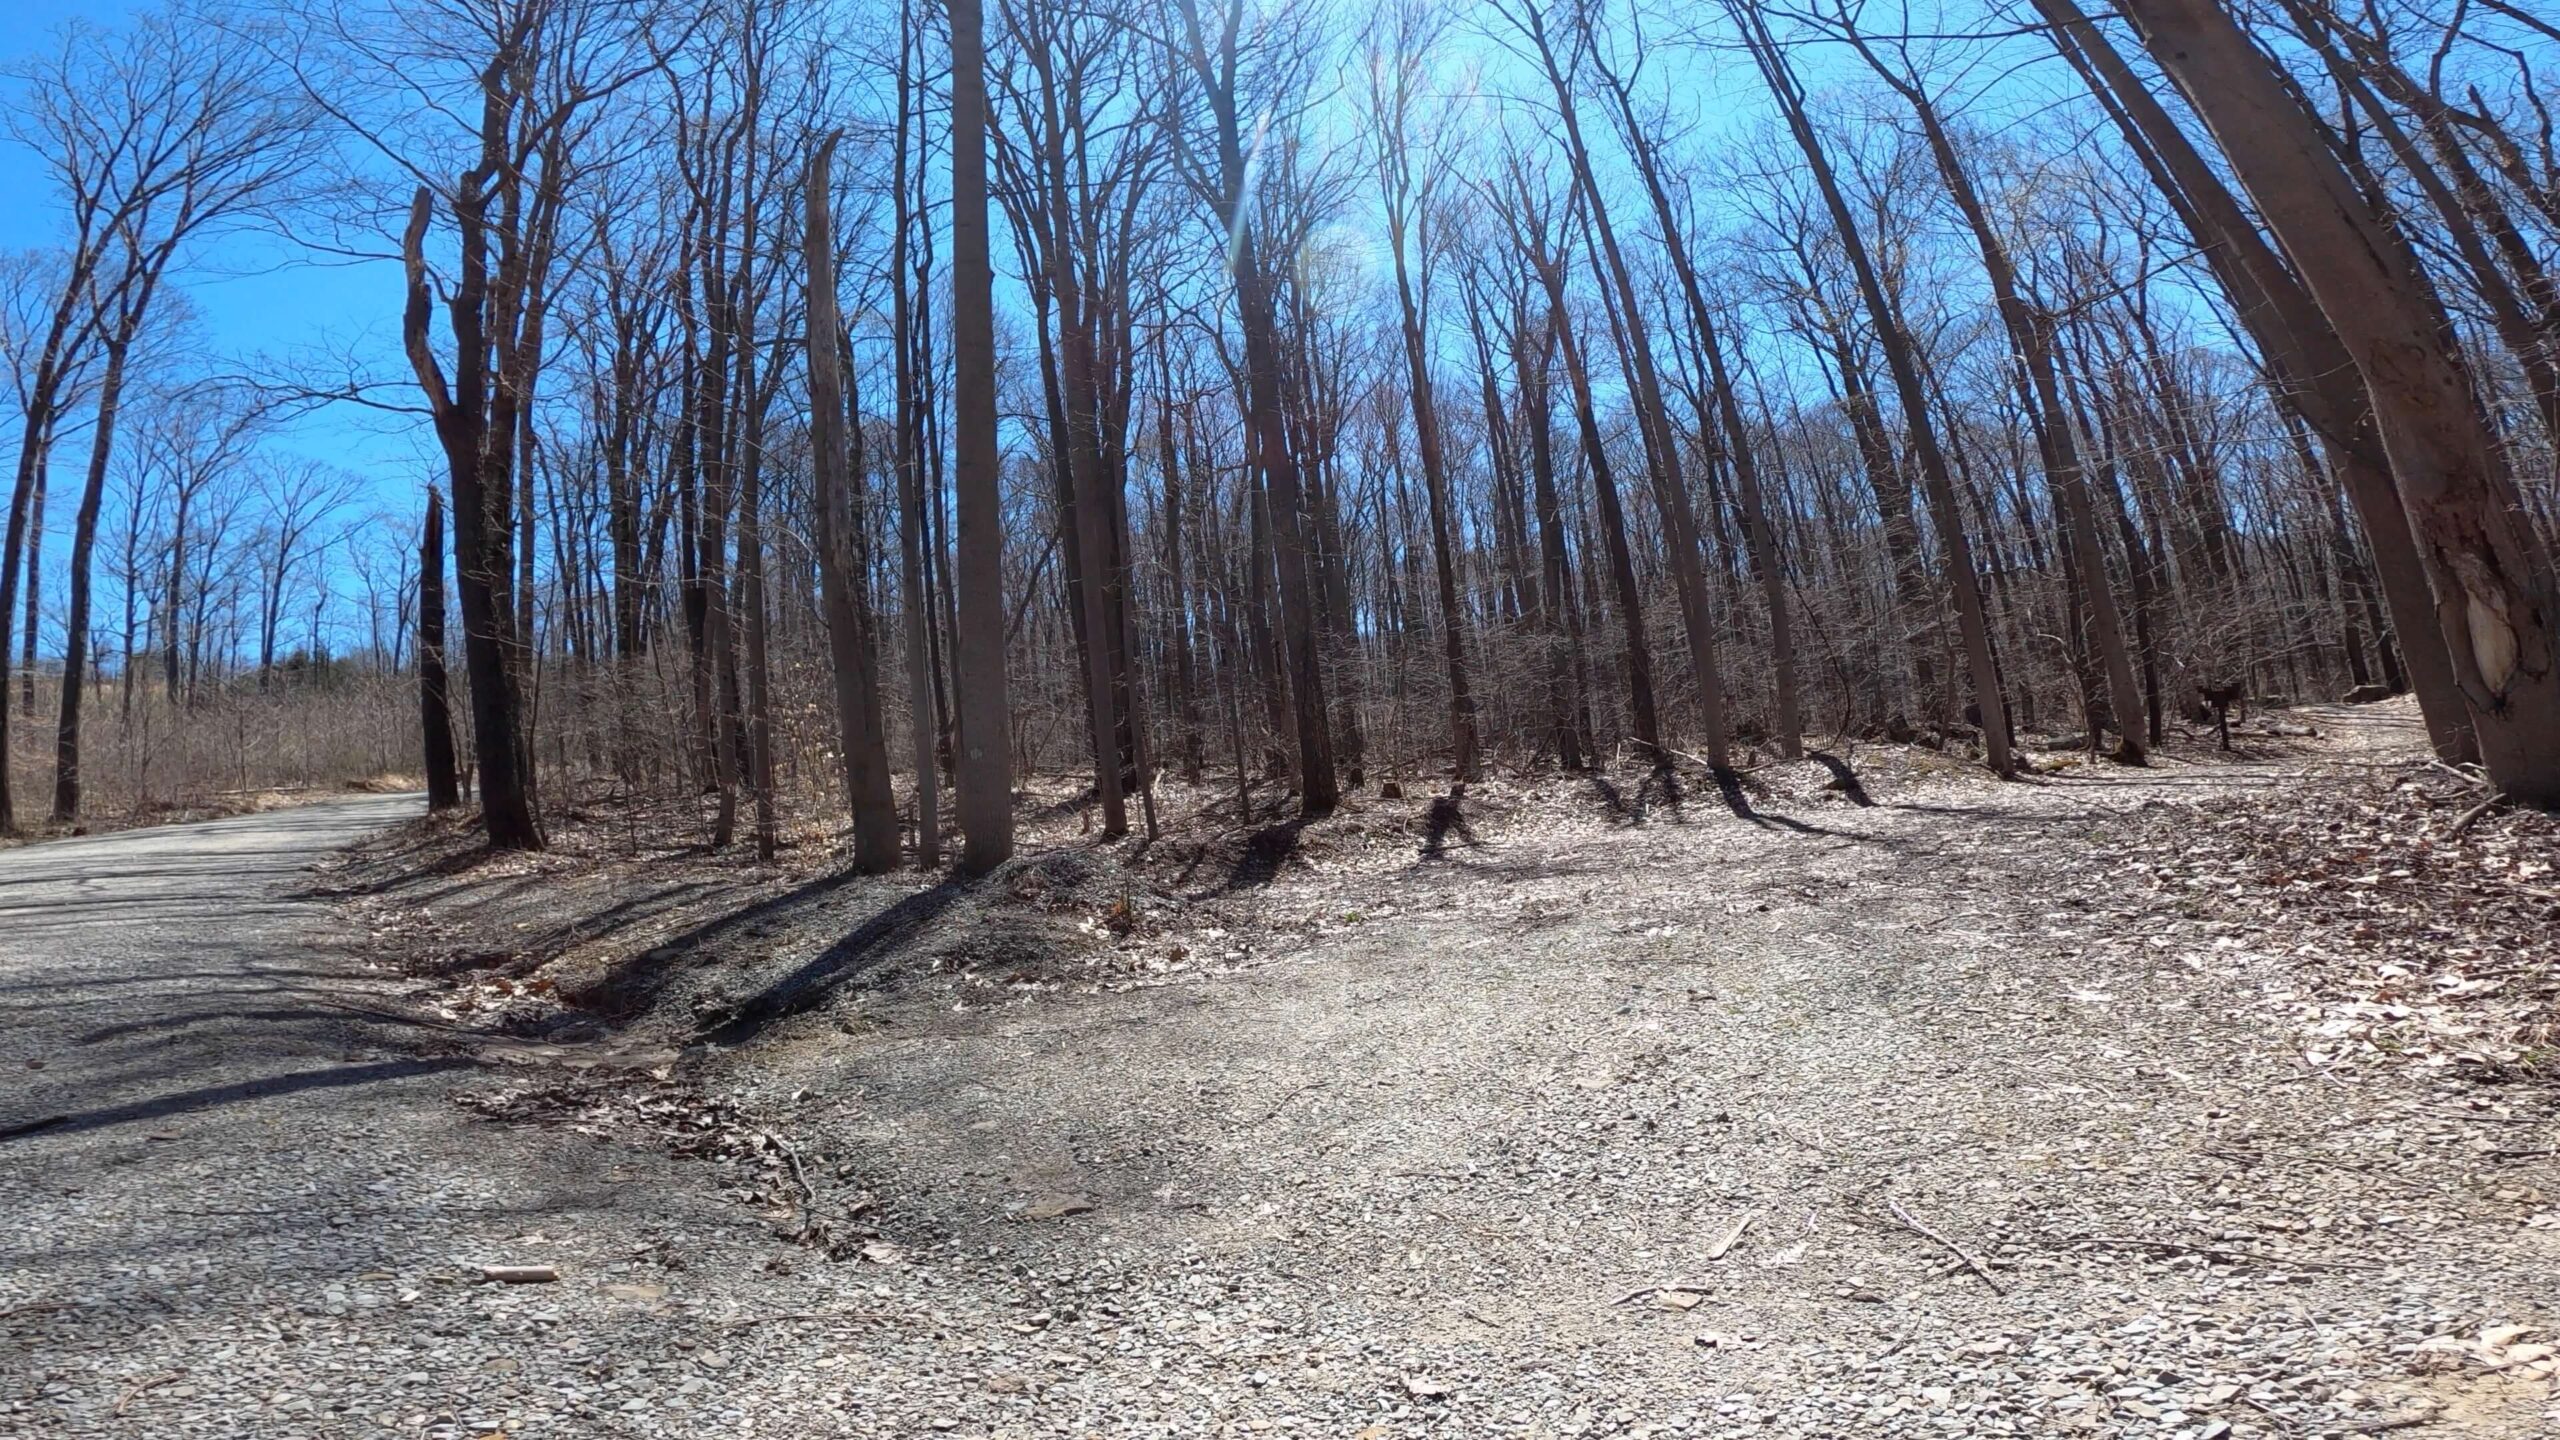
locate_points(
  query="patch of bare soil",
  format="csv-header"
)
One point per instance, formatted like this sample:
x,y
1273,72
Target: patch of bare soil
x,y
2205,1100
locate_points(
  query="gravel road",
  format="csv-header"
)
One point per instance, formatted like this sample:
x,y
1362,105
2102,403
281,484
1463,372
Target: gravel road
x,y
239,1202
1467,1161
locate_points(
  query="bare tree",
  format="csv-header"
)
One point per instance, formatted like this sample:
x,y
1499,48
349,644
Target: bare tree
x,y
541,68
2030,331
850,644
435,716
1221,52
1400,52
2495,596
155,134
985,713
1937,479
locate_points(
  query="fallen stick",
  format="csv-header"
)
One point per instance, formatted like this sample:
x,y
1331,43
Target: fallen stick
x,y
520,1274
1275,1110
2497,800
1732,1235
155,1381
1948,1245
2139,1242
2465,776
1679,1287
808,1204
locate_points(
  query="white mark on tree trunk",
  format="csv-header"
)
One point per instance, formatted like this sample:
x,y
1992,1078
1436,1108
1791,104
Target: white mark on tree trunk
x,y
2493,640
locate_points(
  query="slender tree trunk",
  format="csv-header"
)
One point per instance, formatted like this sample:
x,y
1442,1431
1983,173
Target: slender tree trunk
x,y
986,723
753,609
1944,512
1186,684
915,617
1435,482
35,585
1561,621
435,719
84,537
849,646
1613,529
174,603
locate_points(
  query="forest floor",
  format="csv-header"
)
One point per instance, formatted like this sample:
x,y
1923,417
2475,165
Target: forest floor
x,y
2215,1099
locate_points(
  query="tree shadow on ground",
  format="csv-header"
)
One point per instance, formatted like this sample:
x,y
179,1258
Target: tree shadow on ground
x,y
1660,793
867,947
411,860
210,1096
1659,788
646,906
1612,799
631,985
318,1013
1259,863
1844,779
1738,800
1444,819
1663,788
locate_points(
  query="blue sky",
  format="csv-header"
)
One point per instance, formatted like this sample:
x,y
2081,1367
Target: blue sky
x,y
254,295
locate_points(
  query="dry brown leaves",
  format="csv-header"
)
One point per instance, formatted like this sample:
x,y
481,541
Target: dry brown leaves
x,y
2354,904
760,1167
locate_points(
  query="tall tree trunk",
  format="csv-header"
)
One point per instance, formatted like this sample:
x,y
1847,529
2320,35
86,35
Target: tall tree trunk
x,y
478,471
1918,609
1560,620
41,399
1093,559
84,538
435,718
2317,376
174,603
849,646
35,585
1186,685
2495,598
1613,528
985,772
1403,206
753,610
915,619
1944,512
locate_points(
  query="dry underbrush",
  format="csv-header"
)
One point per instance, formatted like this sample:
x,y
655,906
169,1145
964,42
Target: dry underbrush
x,y
234,748
2393,935
2375,908
628,920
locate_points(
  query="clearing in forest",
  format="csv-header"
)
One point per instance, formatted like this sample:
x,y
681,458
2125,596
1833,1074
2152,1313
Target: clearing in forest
x,y
2200,1101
